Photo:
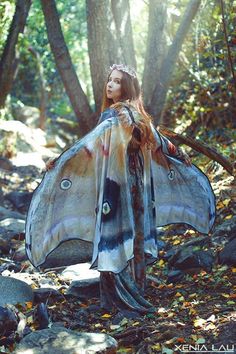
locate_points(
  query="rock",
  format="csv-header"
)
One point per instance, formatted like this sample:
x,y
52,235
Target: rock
x,y
80,271
132,315
27,114
13,291
31,159
8,321
20,254
64,341
85,284
43,295
31,143
174,276
5,214
7,239
84,289
197,241
4,246
190,260
228,254
27,139
227,229
6,164
9,266
15,225
25,277
20,199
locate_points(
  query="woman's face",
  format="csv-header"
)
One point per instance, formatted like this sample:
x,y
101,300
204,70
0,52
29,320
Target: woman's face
x,y
113,89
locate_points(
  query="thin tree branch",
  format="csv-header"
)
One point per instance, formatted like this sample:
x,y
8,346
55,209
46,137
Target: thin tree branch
x,y
227,43
198,146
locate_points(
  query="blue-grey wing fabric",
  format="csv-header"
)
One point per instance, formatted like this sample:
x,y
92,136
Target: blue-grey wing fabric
x,y
86,198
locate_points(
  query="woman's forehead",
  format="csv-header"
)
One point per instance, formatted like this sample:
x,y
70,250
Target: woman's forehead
x,y
116,74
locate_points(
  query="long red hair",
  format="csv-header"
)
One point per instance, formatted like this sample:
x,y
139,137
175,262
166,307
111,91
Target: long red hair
x,y
130,90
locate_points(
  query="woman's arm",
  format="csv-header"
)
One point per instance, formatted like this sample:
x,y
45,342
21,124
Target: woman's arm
x,y
50,163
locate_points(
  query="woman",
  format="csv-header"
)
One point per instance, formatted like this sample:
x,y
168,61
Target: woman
x,y
135,179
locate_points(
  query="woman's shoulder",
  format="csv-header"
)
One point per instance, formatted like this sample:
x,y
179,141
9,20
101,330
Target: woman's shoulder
x,y
125,112
122,106
106,114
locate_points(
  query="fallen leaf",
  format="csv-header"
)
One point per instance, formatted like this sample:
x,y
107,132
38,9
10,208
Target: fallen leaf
x,y
29,304
209,326
106,315
181,298
161,263
194,337
135,323
178,294
199,322
228,217
123,322
230,302
176,242
156,346
114,327
220,205
226,202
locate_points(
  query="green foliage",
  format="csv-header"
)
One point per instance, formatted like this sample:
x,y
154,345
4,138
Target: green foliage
x,y
7,8
27,86
201,89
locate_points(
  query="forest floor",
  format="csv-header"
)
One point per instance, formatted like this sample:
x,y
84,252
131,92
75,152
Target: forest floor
x,y
197,313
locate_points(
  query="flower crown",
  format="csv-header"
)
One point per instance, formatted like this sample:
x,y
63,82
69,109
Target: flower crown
x,y
124,68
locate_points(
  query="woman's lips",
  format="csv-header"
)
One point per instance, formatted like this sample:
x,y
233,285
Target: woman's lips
x,y
109,91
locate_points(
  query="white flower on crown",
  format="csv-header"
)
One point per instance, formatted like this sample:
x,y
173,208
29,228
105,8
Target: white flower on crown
x,y
124,68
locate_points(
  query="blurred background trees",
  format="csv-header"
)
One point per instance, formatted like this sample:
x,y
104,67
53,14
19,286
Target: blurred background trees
x,y
178,48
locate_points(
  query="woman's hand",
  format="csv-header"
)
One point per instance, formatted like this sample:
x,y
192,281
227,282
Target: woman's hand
x,y
184,156
50,163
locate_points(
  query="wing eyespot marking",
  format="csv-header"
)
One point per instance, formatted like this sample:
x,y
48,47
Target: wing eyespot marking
x,y
65,184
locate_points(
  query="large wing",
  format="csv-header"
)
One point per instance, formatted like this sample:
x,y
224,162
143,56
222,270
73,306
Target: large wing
x,y
63,207
82,205
182,193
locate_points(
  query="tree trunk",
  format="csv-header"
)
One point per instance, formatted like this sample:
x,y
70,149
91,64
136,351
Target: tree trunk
x,y
160,91
8,62
98,46
43,93
156,48
121,15
65,67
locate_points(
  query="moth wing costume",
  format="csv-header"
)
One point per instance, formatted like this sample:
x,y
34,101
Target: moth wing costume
x,y
103,201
